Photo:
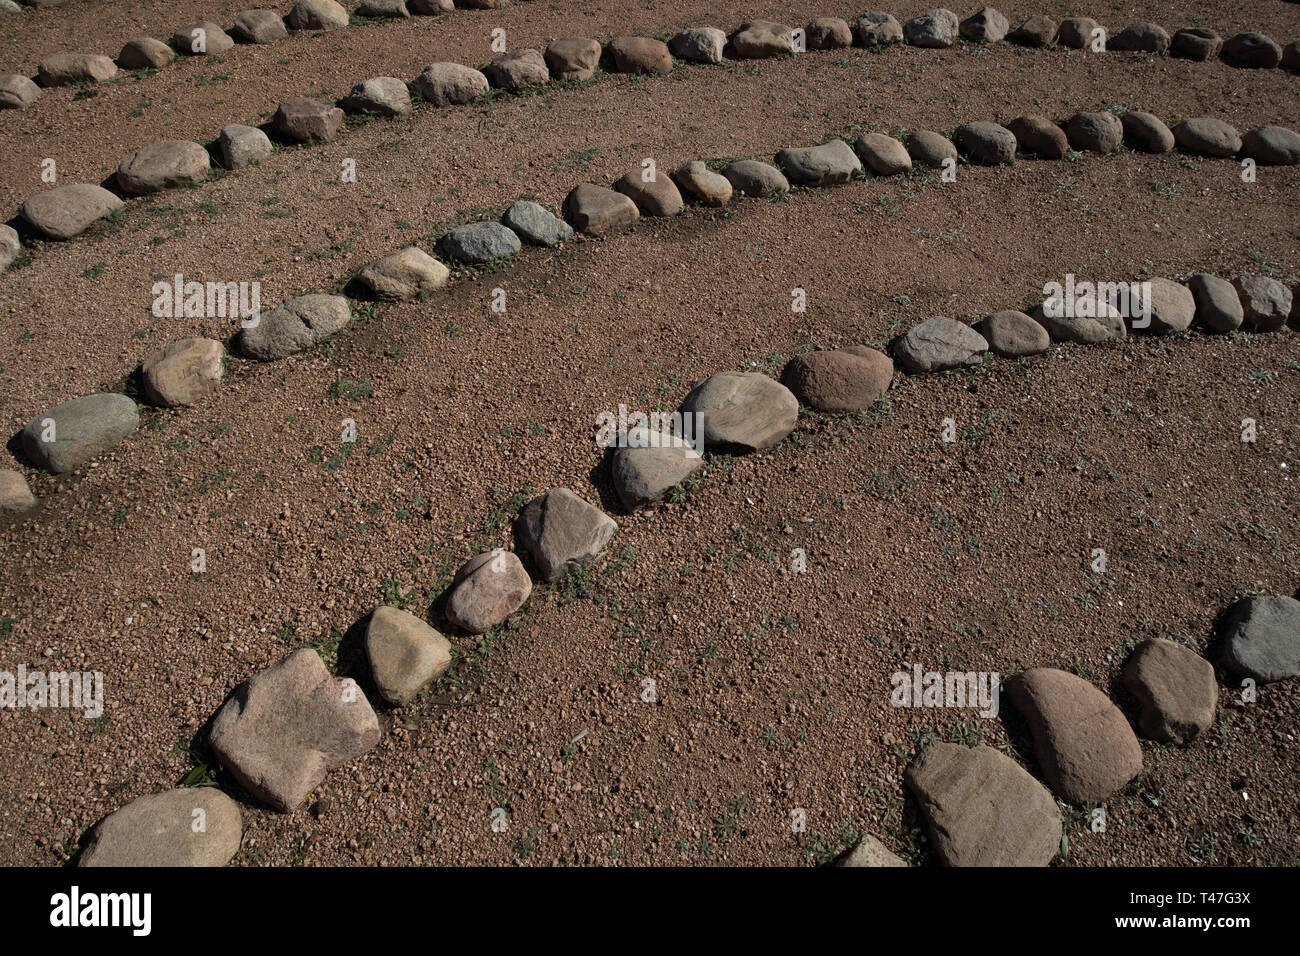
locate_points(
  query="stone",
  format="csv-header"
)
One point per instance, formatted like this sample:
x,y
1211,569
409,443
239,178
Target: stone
x,y
562,532
405,654
68,69
984,809
1147,132
517,69
295,325
17,92
478,243
1291,56
1172,308
598,211
986,143
930,148
481,4
762,38
165,165
877,28
487,590
1175,690
1218,307
984,26
1140,38
743,411
1012,334
832,162
203,38
9,6
1083,742
534,223
933,29
430,8
283,729
1207,136
699,45
1076,32
67,211
572,58
383,9
640,55
1097,132
15,497
1037,134
10,246
1261,637
658,197
938,344
828,33
703,184
1094,321
749,177
404,275
305,120
1272,146
158,830
317,15
144,53
242,146
1196,43
259,26
183,373
79,430
1265,302
379,96
1252,50
445,84
1036,31
649,465
870,852
839,380
883,155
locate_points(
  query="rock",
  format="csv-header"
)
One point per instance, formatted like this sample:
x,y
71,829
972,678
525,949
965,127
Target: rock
x,y
984,809
934,29
145,53
259,26
1252,50
699,45
317,15
1172,308
379,96
191,826
930,148
535,224
1291,56
165,165
1141,38
986,143
444,84
828,33
1208,137
640,55
1261,637
985,26
280,731
66,211
517,69
1272,146
658,197
242,146
1094,321
404,275
1265,302
870,852
1196,43
938,344
68,69
744,411
405,654
383,9
598,211
752,178
839,380
203,38
430,8
649,465
306,120
702,184
1038,134
1098,132
572,58
9,6
1147,132
10,246
67,436
1076,32
487,590
1037,31
878,29
562,532
762,38
832,162
184,373
882,154
477,243
1218,308
17,92
1085,746
295,325
1012,334
15,497
1175,688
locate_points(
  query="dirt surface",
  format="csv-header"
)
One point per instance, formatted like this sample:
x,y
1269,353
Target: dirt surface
x,y
773,687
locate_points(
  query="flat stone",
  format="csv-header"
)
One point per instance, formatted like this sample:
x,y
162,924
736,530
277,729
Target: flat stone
x,y
984,26
870,852
487,590
534,223
640,55
1038,134
749,177
478,243
403,275
1261,637
762,38
1265,302
10,246
699,45
518,69
702,184
933,29
283,729
1175,689
295,325
877,28
183,373
305,120
1207,136
68,69
1036,31
839,380
259,26
383,9
1013,334
930,148
562,532
15,497
190,826
1095,321
744,411
165,165
1140,38
938,344
984,809
1076,32
67,211
202,38
242,146
1147,132
405,654
1097,132
17,92
572,58
145,53
828,33
446,84
658,197
317,15
883,155
832,162
986,143
379,96
1172,308
1218,307
598,211
81,429
1196,43
1252,50
649,465
1272,146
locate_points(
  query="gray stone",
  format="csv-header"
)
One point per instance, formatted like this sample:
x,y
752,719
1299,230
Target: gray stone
x,y
1140,38
144,53
702,184
640,55
66,211
379,96
10,246
1012,334
1265,302
940,343
934,29
762,38
259,26
1098,132
1272,146
383,9
487,590
1252,50
184,373
1036,31
1207,136
562,532
242,146
405,654
17,92
985,26
1038,134
883,155
68,69
79,430
1196,43
572,58
649,465
828,33
203,38
1262,637
839,380
742,411
534,223
877,28
404,275
477,243
317,15
293,326
870,852
165,165
1093,321
699,45
986,143
162,830
445,84
517,69
1218,307
430,8
1172,308
930,148
749,177
832,162
1147,132
15,497
306,120
1076,32
1175,689
598,211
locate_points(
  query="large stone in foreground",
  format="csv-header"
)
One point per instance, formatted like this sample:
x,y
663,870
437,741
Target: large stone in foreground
x,y
572,58
67,211
241,146
1098,132
1012,334
877,28
190,826
317,15
295,325
703,184
1252,50
883,155
985,26
1261,637
839,380
259,26
405,654
378,96
1265,302
1173,306
699,45
640,55
745,411
598,211
1140,38
650,464
280,731
165,165
1147,132
1174,687
185,372
1218,307
67,69
871,852
562,532
933,29
145,53
986,143
940,343
306,120
202,38
828,164
761,38
79,430
518,69
984,809
656,197
1207,136
17,92
404,275
931,149
1272,146
487,590
1038,134
447,84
